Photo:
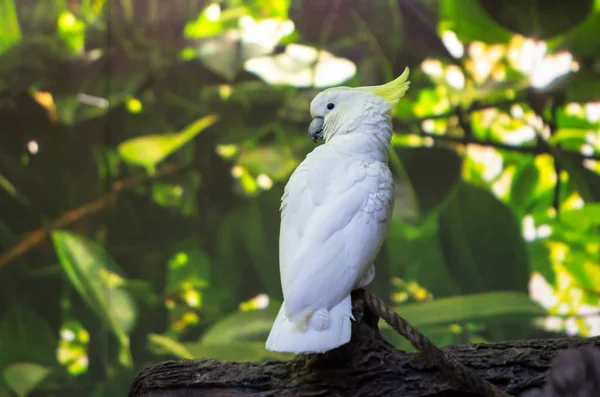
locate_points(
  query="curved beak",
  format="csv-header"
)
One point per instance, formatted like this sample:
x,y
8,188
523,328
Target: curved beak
x,y
315,130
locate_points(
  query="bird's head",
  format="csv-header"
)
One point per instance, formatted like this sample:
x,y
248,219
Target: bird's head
x,y
341,110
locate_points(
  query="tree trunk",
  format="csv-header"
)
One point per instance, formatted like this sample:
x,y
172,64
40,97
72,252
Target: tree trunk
x,y
367,366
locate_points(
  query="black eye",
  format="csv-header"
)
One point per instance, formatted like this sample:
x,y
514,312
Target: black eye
x,y
330,106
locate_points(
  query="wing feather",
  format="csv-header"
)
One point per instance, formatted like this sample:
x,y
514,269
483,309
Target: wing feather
x,y
335,213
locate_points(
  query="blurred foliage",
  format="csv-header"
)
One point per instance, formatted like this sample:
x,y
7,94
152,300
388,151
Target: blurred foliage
x,y
144,150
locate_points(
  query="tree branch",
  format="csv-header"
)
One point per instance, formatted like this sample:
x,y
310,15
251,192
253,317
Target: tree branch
x,y
367,366
469,139
36,237
533,150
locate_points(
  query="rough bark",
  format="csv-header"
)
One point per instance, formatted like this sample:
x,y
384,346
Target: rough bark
x,y
367,366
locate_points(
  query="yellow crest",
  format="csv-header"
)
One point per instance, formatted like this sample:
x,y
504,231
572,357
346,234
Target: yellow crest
x,y
391,92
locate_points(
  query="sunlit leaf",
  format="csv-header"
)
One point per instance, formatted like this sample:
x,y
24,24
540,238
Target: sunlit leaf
x,y
134,105
263,8
10,30
148,151
430,102
72,31
566,119
465,308
563,134
97,279
585,272
23,378
584,217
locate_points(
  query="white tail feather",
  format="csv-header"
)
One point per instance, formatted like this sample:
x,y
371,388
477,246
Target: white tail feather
x,y
302,337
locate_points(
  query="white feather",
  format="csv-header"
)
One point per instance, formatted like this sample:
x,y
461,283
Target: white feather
x,y
335,212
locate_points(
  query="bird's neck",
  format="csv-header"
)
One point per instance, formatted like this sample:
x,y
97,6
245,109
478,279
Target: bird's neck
x,y
369,140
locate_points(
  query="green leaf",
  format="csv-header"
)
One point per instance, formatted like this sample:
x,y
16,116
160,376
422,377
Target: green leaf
x,y
22,378
97,279
116,385
582,40
12,190
583,86
205,24
585,272
470,22
180,195
541,262
578,120
429,102
582,218
72,31
433,173
236,351
585,181
523,187
276,161
481,241
30,335
160,344
10,31
565,134
226,277
414,253
439,335
263,8
148,151
239,336
537,18
256,326
93,95
472,307
190,265
259,221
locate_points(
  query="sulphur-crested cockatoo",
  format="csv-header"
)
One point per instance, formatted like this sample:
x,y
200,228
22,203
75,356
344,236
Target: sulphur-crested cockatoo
x,y
335,212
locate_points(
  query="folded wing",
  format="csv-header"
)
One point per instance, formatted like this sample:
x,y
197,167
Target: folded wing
x,y
334,217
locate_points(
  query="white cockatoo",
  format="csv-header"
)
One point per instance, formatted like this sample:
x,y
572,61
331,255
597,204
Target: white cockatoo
x,y
335,212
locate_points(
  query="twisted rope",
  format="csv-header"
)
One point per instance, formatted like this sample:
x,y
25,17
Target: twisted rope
x,y
448,365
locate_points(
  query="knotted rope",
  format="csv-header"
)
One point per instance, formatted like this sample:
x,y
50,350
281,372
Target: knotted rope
x,y
448,365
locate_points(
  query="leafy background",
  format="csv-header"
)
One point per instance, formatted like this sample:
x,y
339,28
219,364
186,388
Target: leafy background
x,y
144,149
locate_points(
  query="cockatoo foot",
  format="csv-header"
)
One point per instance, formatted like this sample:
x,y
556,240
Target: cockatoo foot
x,y
320,320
